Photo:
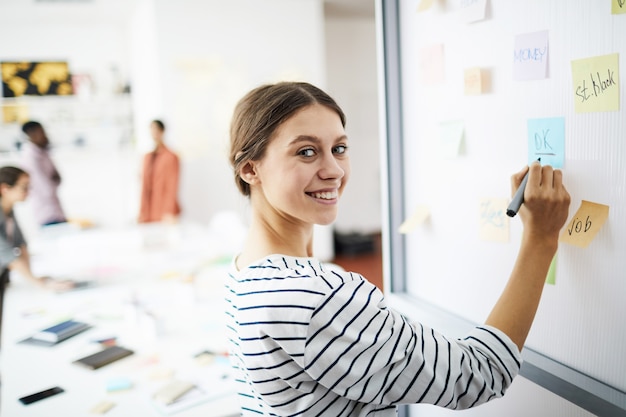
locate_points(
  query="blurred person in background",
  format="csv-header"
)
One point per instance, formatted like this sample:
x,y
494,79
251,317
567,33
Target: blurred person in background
x,y
14,256
159,181
44,176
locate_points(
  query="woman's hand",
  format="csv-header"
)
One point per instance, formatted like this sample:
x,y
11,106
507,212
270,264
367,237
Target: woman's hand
x,y
55,285
546,201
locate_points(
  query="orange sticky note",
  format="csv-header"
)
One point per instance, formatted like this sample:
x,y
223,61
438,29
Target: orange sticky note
x,y
585,224
473,81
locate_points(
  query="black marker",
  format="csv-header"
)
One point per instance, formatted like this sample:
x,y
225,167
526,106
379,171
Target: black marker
x,y
518,198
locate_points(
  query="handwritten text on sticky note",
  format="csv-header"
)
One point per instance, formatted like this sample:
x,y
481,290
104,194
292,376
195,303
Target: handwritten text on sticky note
x,y
472,10
618,6
585,224
494,224
530,57
596,83
546,140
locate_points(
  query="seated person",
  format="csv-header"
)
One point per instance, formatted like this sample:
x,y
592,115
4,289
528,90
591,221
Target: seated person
x,y
14,185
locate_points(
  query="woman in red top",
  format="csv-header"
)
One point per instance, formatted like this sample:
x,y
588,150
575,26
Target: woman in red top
x,y
159,182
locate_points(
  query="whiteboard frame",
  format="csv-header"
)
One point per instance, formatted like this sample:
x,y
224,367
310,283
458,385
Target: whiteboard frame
x,y
574,386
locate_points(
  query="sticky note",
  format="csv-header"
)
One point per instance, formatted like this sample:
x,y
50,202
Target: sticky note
x,y
585,224
431,64
596,83
425,5
472,10
546,140
474,81
118,384
418,217
494,223
618,6
450,138
530,57
551,275
102,407
15,113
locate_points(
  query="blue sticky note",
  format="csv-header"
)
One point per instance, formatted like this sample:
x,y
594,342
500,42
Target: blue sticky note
x,y
118,384
546,140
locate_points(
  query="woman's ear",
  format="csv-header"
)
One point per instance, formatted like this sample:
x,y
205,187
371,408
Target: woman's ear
x,y
248,173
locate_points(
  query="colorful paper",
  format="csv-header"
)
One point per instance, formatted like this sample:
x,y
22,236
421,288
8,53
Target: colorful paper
x,y
551,275
418,217
425,5
472,10
546,140
530,57
618,6
450,138
585,224
473,81
596,83
431,64
494,223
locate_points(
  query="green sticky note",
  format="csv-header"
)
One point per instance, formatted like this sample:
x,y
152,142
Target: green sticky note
x,y
551,277
451,137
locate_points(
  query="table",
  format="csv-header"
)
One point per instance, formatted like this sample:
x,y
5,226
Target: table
x,y
159,292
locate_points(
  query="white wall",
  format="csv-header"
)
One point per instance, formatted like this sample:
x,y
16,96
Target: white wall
x,y
188,63
99,179
208,55
352,81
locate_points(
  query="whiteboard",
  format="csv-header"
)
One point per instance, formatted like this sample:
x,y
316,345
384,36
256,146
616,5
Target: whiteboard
x,y
443,261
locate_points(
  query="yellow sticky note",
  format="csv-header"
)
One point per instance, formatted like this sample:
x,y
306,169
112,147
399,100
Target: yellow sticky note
x,y
618,6
473,81
102,407
14,113
585,224
596,83
424,5
494,223
418,217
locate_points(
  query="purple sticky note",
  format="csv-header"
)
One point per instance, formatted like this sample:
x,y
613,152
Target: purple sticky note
x,y
530,56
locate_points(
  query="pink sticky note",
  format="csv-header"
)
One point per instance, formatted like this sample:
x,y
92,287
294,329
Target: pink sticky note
x,y
431,64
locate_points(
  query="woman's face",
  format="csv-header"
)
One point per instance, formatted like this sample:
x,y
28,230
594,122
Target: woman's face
x,y
156,132
305,167
19,191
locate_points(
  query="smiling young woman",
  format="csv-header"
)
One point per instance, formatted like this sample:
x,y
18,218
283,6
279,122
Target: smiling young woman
x,y
309,340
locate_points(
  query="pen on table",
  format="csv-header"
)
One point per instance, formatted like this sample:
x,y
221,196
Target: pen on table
x,y
518,198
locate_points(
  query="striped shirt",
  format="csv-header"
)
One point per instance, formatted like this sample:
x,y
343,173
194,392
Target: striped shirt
x,y
309,341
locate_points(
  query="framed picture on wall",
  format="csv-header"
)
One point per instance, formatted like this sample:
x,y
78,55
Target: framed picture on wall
x,y
36,79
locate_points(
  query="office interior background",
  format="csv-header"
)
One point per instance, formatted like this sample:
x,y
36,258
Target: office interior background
x,y
186,62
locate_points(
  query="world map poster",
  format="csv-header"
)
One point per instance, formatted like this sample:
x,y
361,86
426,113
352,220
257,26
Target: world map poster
x,y
35,79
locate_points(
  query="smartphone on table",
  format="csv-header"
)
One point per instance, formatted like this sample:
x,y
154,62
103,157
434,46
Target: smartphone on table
x,y
32,398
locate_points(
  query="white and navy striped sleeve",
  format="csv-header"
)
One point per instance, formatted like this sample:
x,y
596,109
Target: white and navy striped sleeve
x,y
363,351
